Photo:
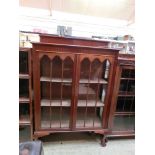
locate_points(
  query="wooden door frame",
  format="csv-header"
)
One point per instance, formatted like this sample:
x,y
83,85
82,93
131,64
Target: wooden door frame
x,y
36,82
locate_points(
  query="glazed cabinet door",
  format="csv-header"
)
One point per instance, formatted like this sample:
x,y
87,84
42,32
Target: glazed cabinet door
x,y
124,116
95,73
55,91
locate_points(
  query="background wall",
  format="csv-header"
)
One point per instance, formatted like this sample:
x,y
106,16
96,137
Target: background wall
x,y
39,20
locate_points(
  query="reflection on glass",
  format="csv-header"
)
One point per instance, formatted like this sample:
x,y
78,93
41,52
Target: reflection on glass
x,y
23,62
24,112
125,104
127,86
23,88
128,73
24,133
124,123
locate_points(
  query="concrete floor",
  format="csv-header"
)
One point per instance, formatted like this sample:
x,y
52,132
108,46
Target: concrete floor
x,y
85,144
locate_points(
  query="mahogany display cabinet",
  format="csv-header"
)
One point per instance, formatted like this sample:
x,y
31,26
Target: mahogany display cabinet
x,y
25,95
122,118
72,88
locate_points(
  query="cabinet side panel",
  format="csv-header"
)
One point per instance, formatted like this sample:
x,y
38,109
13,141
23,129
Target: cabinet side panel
x,y
114,96
36,84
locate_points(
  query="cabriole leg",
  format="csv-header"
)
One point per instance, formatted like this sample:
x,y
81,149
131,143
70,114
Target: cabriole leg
x,y
103,140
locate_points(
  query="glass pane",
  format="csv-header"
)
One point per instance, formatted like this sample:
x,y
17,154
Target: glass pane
x,y
125,104
57,67
132,74
128,73
45,117
68,68
92,91
60,118
125,73
55,91
127,86
24,133
124,123
107,67
84,73
45,90
88,119
88,93
24,112
23,88
23,62
131,86
45,67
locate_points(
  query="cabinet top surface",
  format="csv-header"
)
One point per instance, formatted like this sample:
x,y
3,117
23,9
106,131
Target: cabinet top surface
x,y
72,37
127,57
36,44
83,38
24,49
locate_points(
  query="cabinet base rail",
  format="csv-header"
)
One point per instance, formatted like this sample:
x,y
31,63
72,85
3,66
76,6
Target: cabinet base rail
x,y
103,134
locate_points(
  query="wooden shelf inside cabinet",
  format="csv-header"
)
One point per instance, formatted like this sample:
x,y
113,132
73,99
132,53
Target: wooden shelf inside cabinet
x,y
124,113
89,103
95,81
55,103
24,100
24,120
59,80
67,103
127,79
82,81
24,76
